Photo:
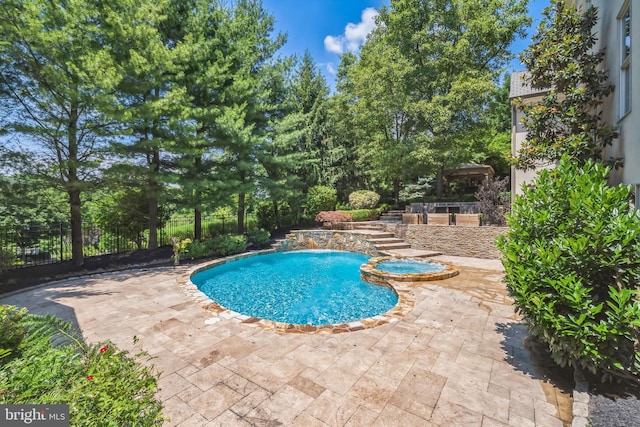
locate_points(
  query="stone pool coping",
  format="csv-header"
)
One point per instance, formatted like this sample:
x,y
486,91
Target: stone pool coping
x,y
406,302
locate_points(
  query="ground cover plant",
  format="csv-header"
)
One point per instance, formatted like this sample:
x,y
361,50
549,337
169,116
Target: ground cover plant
x,y
572,262
43,360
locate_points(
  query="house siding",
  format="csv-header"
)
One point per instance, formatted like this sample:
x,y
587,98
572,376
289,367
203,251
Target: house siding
x,y
627,146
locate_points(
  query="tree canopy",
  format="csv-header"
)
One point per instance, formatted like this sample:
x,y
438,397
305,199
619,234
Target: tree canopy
x,y
423,81
562,60
189,103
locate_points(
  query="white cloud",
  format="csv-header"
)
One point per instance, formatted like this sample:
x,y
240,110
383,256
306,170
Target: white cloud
x,y
334,44
331,68
354,34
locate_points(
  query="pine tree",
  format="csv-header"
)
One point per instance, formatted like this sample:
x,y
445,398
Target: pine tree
x,y
60,76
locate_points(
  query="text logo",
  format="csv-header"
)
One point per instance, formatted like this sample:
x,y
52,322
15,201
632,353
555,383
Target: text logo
x,y
34,415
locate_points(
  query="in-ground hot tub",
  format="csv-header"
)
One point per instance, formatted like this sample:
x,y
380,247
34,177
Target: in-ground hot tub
x,y
382,269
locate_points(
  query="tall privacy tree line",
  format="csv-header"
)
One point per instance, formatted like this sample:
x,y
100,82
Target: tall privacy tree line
x,y
189,102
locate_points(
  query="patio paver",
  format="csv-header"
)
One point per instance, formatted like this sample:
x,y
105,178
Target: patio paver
x,y
459,357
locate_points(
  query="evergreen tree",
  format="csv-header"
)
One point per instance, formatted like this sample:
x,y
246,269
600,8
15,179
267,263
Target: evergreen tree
x,y
244,123
144,58
278,154
204,54
310,93
347,129
60,76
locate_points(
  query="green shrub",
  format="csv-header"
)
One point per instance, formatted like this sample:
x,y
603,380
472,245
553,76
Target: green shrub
x,y
259,238
197,249
266,217
363,199
7,258
572,261
319,199
102,385
360,215
228,244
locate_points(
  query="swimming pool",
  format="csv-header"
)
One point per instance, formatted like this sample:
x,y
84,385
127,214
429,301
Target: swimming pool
x,y
314,287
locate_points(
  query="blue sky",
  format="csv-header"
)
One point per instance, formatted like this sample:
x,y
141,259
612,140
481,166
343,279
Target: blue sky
x,y
326,27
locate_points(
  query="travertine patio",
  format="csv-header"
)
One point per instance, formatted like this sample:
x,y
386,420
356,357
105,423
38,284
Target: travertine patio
x,y
458,358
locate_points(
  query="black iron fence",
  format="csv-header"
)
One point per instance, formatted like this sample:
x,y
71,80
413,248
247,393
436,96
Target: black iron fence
x,y
37,245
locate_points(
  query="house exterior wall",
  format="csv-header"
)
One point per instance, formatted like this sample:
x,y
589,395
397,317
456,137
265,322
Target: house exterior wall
x,y
520,90
610,37
609,32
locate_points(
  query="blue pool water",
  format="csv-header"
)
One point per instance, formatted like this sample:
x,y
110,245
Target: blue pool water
x,y
302,287
408,266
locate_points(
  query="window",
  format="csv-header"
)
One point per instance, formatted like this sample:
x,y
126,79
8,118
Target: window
x,y
624,19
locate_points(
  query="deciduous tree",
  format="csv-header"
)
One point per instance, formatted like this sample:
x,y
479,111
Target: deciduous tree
x,y
433,64
561,59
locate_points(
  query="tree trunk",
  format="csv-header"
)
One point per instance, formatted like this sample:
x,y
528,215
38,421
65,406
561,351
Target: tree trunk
x,y
241,197
153,199
396,192
153,221
197,195
153,160
439,183
197,224
73,188
276,214
76,228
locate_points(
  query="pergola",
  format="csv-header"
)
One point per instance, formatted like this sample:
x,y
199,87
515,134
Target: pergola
x,y
475,172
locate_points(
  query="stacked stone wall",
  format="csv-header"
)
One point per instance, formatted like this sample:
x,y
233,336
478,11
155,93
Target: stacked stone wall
x,y
477,242
329,239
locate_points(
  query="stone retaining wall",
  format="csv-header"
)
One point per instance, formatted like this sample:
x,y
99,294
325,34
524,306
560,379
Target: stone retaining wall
x,y
328,239
477,242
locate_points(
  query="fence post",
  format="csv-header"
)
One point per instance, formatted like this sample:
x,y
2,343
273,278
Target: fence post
x,y
117,239
223,217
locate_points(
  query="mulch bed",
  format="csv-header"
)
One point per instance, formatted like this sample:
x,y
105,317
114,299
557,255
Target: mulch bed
x,y
22,278
26,277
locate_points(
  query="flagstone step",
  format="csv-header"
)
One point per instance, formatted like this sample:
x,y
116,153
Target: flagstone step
x,y
410,253
385,240
387,246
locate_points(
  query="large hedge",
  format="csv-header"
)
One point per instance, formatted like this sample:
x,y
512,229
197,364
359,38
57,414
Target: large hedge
x,y
572,260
